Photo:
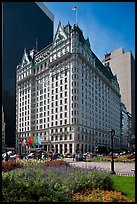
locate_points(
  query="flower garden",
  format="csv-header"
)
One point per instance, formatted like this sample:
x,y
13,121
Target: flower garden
x,y
56,181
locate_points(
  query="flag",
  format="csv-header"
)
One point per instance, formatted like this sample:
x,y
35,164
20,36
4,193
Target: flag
x,y
24,142
39,141
34,142
30,141
74,8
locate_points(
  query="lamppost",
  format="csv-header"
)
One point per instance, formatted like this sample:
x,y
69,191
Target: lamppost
x,y
112,133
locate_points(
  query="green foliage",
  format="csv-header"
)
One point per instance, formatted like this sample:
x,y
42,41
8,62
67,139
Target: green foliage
x,y
124,158
52,183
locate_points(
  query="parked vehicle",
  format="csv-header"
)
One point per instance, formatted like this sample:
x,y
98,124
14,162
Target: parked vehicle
x,y
4,154
31,155
23,155
67,155
122,153
14,156
79,157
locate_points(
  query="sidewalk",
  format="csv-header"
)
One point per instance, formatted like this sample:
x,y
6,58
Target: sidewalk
x,y
119,167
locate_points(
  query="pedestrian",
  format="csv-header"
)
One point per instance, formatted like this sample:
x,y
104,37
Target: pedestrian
x,y
6,157
73,156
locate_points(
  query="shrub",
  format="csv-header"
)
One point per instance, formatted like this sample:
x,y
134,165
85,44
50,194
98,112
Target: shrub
x,y
50,183
10,165
56,163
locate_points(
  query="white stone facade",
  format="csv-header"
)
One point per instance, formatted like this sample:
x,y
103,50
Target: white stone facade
x,y
66,95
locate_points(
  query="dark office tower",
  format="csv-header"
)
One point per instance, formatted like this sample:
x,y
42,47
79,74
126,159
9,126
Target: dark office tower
x,y
25,25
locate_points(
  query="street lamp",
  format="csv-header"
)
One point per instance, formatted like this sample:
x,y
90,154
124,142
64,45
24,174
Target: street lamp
x,y
112,133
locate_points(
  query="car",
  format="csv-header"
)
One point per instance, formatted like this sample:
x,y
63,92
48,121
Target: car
x,y
122,153
23,155
31,155
67,155
4,154
79,157
14,156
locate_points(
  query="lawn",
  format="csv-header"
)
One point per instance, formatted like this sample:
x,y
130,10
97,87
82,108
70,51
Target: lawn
x,y
125,184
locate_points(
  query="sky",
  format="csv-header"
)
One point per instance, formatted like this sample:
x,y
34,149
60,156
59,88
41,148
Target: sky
x,y
109,25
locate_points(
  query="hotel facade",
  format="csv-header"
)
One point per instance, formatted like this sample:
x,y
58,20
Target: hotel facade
x,y
67,96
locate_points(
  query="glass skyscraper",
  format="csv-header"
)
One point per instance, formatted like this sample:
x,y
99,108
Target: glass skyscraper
x,y
25,25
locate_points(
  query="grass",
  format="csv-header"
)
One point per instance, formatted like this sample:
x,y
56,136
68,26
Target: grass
x,y
116,159
125,184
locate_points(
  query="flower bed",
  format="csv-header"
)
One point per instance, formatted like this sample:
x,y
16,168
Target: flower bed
x,y
56,181
100,196
10,165
49,183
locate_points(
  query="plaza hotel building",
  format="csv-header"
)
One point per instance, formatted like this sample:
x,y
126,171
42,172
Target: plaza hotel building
x,y
67,96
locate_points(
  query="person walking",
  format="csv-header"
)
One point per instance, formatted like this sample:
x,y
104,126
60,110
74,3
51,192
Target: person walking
x,y
73,156
6,157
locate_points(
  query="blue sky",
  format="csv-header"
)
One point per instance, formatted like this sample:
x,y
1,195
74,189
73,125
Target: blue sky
x,y
109,25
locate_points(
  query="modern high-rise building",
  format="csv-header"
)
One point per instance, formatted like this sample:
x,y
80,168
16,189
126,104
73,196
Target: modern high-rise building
x,y
123,65
24,25
124,128
67,96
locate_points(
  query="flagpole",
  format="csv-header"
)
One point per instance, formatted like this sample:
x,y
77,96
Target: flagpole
x,y
76,17
36,45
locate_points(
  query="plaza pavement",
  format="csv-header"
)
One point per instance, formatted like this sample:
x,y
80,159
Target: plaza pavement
x,y
120,168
